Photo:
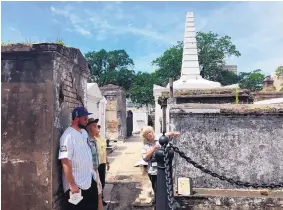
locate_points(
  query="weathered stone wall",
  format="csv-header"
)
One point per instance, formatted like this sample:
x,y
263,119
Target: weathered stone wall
x,y
70,90
227,202
243,142
41,84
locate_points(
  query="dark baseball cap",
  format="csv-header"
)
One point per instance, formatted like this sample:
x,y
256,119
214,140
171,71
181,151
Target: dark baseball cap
x,y
80,112
92,120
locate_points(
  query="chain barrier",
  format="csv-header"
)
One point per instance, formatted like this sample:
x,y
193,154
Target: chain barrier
x,y
168,177
223,178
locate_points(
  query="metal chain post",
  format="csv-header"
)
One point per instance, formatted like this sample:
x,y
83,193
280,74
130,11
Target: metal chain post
x,y
164,186
168,176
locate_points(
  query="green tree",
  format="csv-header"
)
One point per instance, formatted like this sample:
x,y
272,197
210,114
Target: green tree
x,y
212,51
242,75
279,71
169,64
228,78
251,81
112,67
141,92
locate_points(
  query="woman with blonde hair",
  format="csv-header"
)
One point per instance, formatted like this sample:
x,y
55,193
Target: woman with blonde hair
x,y
151,144
91,130
103,158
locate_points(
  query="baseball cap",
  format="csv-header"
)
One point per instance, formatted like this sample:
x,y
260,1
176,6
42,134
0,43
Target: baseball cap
x,y
80,112
92,120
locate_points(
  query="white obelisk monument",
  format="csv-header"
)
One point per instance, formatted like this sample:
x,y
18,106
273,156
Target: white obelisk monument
x,y
190,72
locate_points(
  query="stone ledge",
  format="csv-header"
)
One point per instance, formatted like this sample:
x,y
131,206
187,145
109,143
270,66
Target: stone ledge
x,y
72,54
111,87
204,192
216,199
268,93
220,92
228,108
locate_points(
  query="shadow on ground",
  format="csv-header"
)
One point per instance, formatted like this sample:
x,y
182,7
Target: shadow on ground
x,y
124,194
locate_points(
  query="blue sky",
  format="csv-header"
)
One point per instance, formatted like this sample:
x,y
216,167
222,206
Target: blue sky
x,y
146,29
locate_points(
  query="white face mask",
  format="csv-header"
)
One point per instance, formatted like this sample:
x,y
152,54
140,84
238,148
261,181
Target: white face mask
x,y
75,198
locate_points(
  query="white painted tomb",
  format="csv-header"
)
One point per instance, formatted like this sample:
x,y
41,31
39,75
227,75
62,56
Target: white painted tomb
x,y
96,104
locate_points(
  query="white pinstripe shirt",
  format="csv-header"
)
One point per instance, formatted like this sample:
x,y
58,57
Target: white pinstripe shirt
x,y
74,146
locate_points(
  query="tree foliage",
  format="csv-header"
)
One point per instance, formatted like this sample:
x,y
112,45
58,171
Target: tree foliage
x,y
279,71
141,92
112,67
116,67
252,80
169,64
228,78
212,51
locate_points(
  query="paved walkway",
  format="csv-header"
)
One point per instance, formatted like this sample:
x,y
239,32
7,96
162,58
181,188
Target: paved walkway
x,y
127,186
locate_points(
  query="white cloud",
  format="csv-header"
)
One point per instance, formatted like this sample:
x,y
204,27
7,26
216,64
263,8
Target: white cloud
x,y
112,19
13,29
255,27
82,30
69,13
102,23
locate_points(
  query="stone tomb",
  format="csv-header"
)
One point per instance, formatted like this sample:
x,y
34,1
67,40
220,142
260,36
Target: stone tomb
x,y
242,142
116,113
268,91
41,84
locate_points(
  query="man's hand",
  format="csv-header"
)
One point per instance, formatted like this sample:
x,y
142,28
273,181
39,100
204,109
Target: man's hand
x,y
74,188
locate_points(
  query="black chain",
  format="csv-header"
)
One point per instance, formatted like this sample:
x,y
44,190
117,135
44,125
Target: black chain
x,y
223,178
168,177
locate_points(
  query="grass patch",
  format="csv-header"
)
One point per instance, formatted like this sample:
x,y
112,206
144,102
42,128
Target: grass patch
x,y
31,42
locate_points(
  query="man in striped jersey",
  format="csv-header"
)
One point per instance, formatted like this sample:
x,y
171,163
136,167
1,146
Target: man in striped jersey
x,y
76,159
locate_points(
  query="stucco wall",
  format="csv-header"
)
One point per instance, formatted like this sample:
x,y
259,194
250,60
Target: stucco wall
x,y
26,131
243,142
41,84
